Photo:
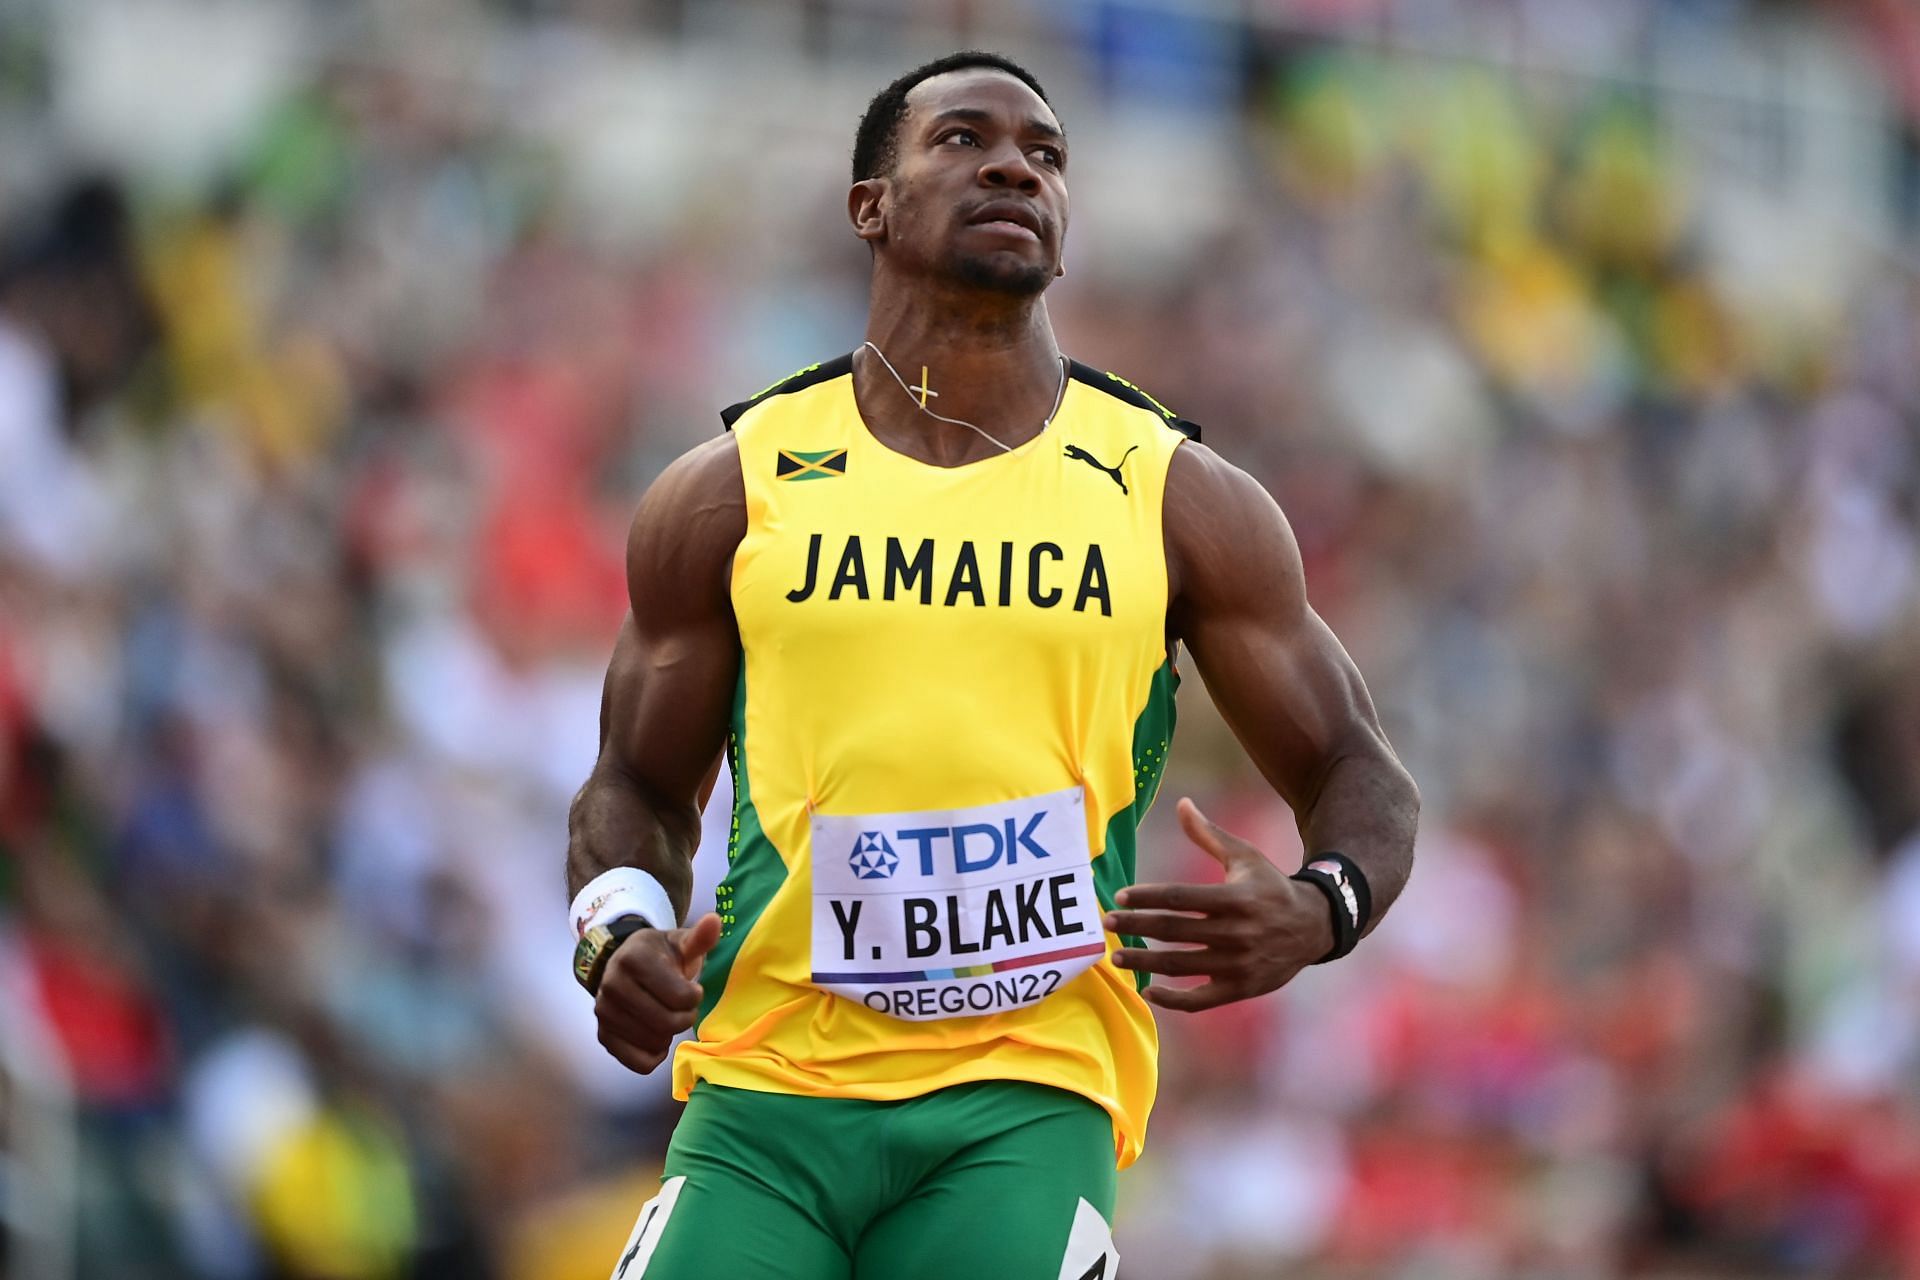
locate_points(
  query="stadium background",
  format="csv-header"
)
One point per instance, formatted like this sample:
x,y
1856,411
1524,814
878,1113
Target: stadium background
x,y
1581,342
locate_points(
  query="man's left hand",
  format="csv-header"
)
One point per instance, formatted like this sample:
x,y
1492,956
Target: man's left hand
x,y
1248,936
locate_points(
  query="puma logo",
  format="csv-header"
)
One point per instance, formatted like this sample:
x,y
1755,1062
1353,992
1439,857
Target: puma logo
x,y
1075,451
638,1236
1090,1254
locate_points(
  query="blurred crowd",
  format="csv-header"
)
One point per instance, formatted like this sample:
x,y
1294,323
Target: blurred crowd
x,y
315,464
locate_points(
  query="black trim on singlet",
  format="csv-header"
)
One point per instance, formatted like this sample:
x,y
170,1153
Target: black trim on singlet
x,y
1099,379
1120,389
811,376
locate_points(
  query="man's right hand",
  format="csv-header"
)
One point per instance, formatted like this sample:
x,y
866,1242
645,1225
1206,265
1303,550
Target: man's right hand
x,y
648,994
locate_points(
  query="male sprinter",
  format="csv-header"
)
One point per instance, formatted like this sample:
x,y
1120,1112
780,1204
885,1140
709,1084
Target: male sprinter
x,y
927,597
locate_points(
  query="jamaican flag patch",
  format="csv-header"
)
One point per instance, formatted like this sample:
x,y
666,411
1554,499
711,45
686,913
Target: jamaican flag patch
x,y
799,464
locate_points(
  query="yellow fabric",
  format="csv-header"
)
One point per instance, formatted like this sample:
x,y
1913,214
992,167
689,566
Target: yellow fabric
x,y
866,706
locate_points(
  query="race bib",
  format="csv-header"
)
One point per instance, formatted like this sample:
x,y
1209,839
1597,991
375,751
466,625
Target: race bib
x,y
953,913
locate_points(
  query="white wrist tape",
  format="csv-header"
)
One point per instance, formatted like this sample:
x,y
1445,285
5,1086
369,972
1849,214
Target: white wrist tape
x,y
621,891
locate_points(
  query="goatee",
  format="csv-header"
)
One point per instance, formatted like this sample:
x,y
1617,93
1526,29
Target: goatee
x,y
1022,281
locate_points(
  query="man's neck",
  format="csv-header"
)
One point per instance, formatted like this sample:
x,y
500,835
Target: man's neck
x,y
989,361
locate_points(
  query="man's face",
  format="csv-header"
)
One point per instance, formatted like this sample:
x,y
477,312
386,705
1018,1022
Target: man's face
x,y
978,190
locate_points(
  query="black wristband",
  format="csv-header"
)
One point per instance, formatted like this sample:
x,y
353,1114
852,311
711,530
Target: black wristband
x,y
1348,898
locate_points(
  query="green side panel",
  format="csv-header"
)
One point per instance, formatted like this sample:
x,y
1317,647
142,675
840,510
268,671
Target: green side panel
x,y
1152,735
755,870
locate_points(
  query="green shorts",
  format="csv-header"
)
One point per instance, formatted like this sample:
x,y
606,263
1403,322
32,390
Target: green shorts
x,y
1002,1179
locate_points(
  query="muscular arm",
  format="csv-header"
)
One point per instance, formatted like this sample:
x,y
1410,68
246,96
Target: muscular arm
x,y
669,688
1298,705
1281,679
663,718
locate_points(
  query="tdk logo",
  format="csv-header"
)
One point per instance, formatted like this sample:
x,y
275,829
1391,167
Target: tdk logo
x,y
976,846
873,858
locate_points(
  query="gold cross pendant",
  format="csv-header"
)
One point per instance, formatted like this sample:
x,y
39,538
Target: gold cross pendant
x,y
925,390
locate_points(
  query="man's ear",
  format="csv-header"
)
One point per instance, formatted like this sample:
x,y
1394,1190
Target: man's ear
x,y
866,209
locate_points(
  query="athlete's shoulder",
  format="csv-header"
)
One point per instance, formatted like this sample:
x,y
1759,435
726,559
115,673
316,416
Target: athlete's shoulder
x,y
1120,389
701,492
1210,485
799,380
1228,542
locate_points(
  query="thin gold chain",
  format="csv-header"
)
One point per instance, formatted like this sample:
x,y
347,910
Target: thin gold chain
x,y
1058,397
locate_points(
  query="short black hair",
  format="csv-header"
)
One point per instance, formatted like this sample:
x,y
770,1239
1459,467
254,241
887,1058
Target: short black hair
x,y
874,149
